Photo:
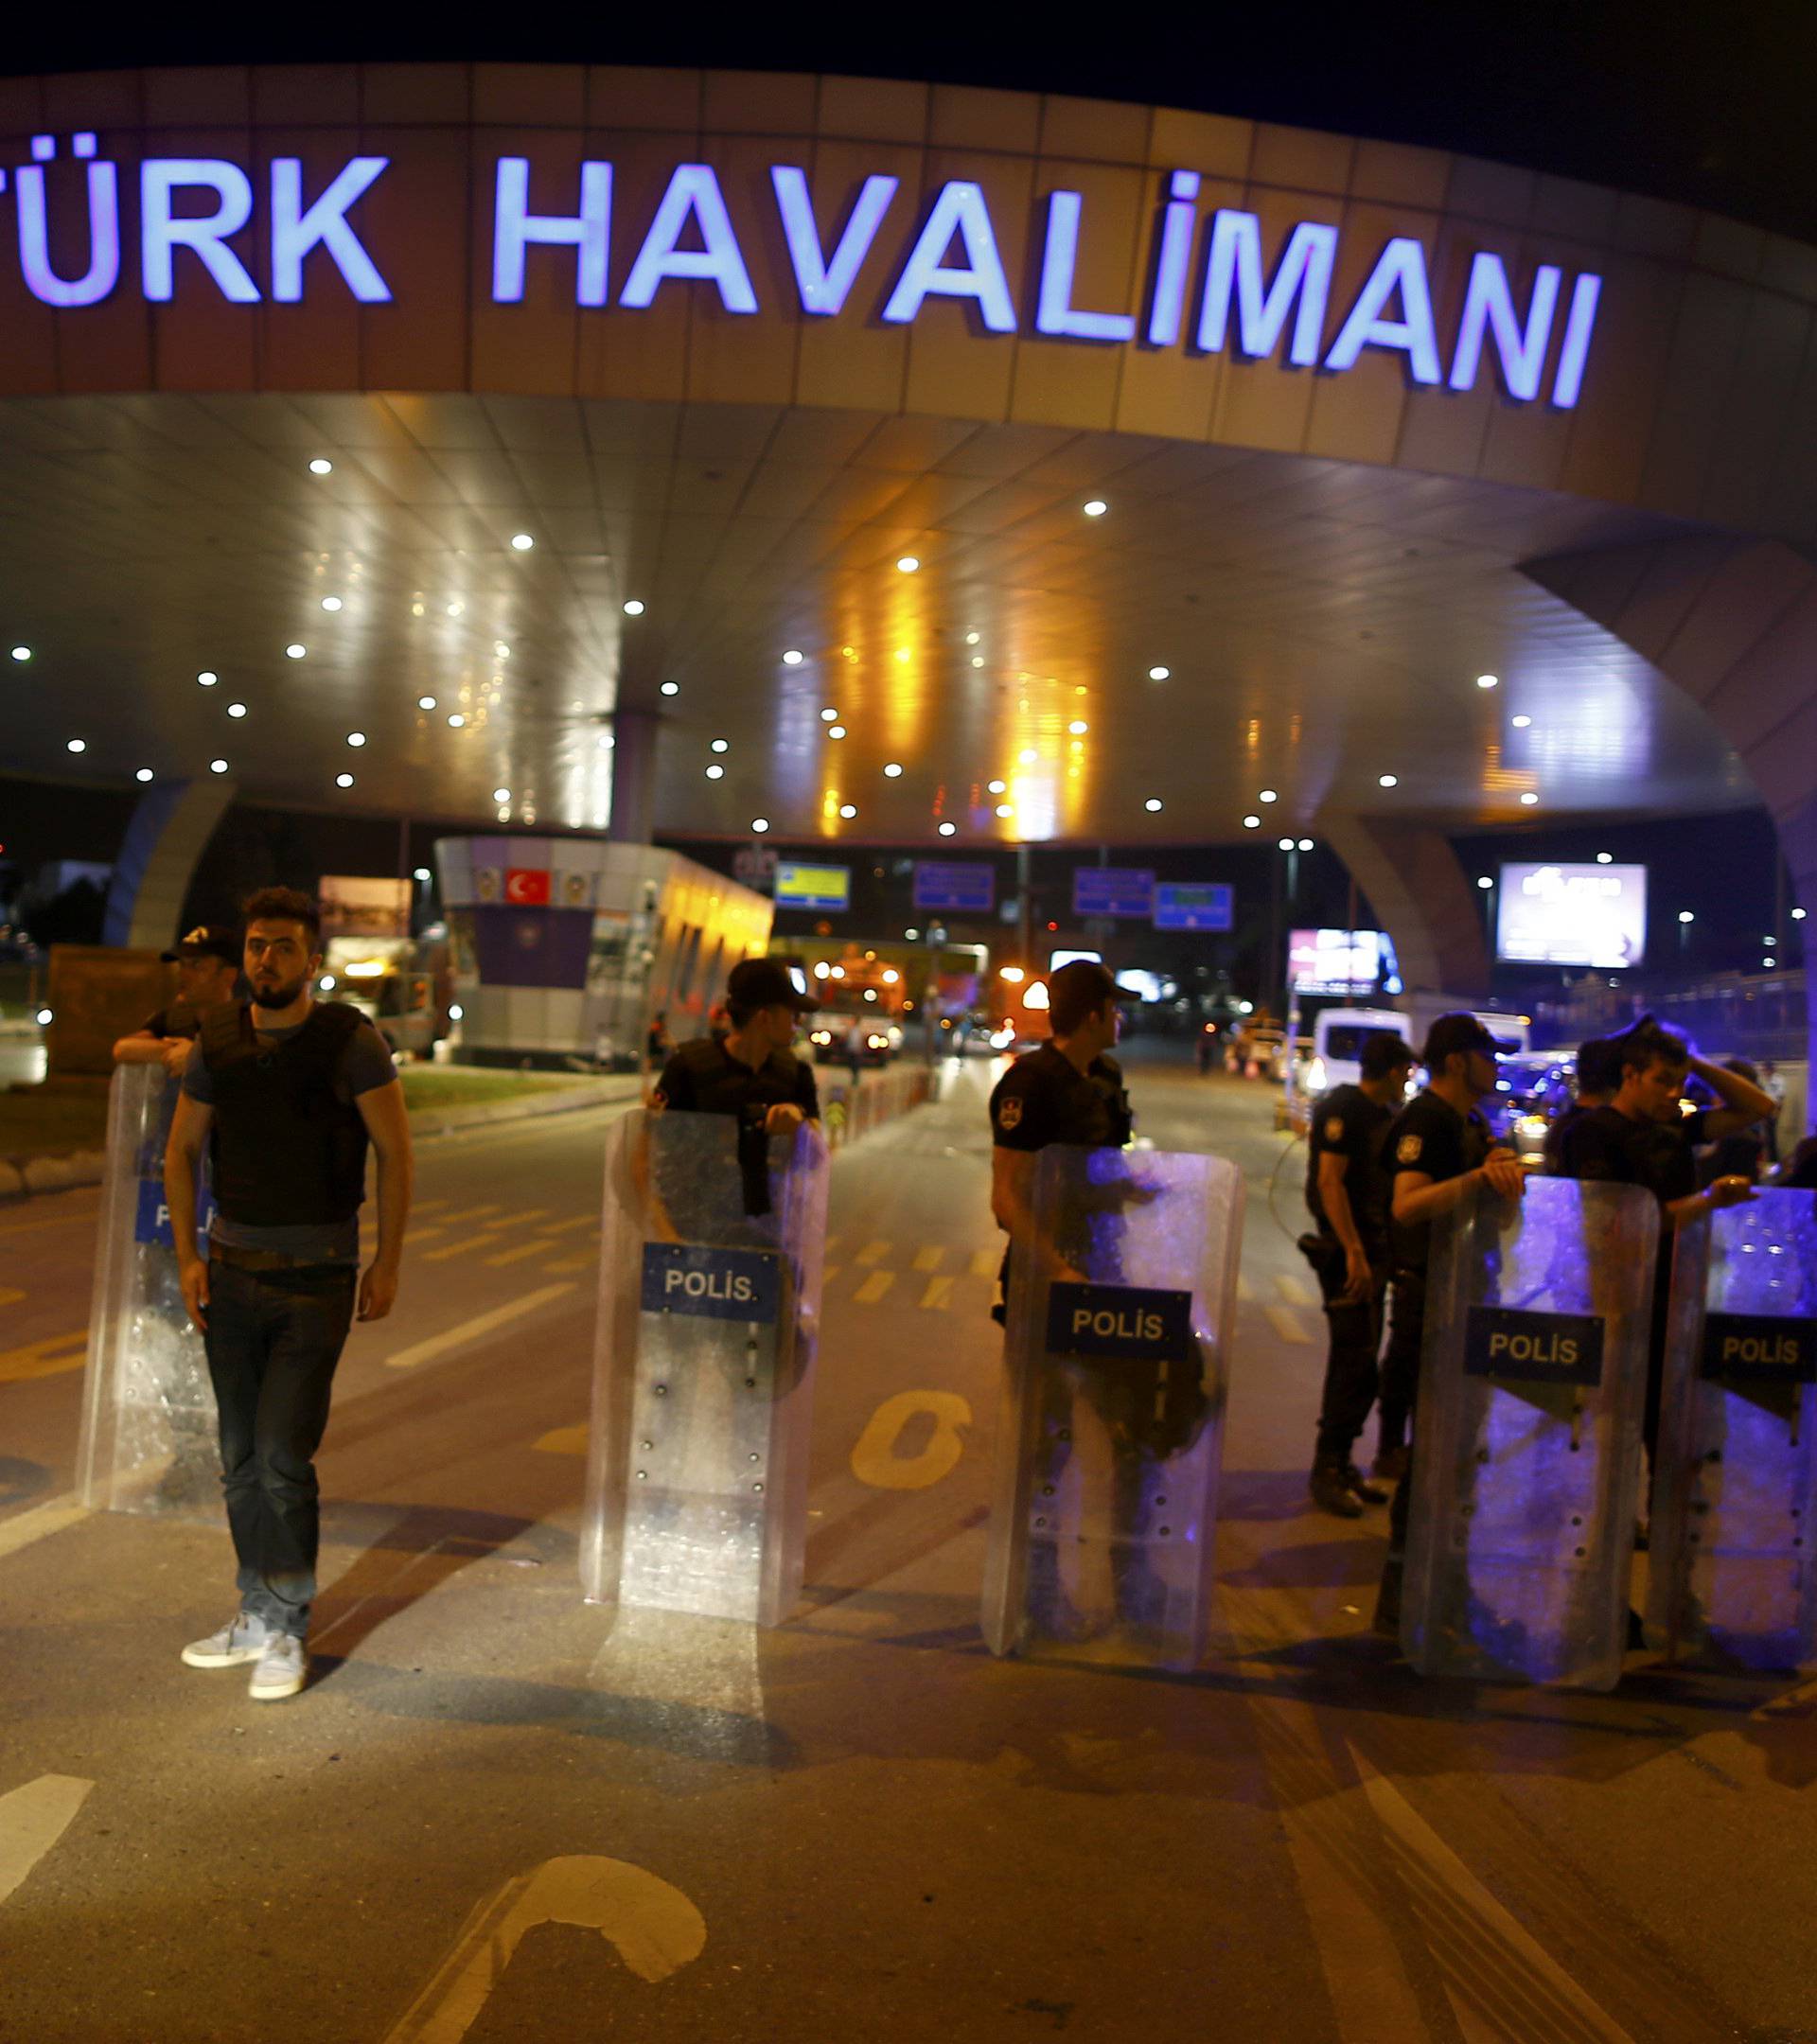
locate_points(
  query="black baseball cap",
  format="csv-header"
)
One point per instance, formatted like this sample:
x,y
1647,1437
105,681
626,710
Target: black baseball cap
x,y
767,983
1461,1032
1384,1052
207,941
1083,984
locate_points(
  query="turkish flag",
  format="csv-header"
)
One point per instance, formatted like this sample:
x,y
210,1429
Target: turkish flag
x,y
526,888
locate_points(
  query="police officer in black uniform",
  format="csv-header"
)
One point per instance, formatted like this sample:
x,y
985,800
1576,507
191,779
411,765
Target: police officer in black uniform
x,y
1438,1149
208,962
1347,1192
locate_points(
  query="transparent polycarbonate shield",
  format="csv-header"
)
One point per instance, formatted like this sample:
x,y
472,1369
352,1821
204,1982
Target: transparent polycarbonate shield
x,y
1121,1302
703,1372
149,1440
1526,1451
1734,1482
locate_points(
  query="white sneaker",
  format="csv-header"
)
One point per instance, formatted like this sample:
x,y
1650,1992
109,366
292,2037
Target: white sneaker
x,y
282,1670
242,1638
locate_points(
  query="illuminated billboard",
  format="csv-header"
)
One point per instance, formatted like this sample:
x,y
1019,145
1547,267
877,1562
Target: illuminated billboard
x,y
1571,915
1333,961
802,885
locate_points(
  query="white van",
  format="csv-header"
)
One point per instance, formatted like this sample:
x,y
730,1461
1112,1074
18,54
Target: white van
x,y
1338,1036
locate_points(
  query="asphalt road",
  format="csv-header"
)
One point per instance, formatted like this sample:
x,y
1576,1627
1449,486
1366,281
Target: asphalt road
x,y
497,1815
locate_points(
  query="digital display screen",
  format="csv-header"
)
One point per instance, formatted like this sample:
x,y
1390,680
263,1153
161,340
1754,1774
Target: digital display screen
x,y
1333,961
1571,915
802,885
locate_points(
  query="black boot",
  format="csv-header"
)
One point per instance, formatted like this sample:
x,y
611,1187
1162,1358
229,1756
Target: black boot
x,y
1330,1485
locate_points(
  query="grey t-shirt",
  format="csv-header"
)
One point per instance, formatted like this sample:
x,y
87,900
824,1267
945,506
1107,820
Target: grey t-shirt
x,y
366,1065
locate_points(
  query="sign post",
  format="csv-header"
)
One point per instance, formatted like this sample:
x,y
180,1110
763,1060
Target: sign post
x,y
1526,1449
703,1373
1731,1576
1120,1304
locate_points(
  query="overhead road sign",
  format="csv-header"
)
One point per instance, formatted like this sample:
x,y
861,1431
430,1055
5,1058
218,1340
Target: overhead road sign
x,y
1193,904
959,889
1112,890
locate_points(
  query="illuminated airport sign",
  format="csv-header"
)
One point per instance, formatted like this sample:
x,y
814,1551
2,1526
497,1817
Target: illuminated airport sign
x,y
959,890
1112,890
196,226
1571,915
1193,904
801,886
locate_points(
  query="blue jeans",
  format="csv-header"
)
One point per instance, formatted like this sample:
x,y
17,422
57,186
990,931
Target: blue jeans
x,y
273,1339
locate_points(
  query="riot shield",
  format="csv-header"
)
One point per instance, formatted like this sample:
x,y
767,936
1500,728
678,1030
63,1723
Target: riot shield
x,y
1116,1355
703,1369
1735,1480
149,1440
1526,1451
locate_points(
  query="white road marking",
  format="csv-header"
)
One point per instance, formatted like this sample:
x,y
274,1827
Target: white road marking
x,y
466,1330
32,1819
1286,1323
654,1926
52,1516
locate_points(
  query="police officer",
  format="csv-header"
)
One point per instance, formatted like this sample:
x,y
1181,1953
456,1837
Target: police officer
x,y
1438,1150
208,962
1598,1073
1347,1192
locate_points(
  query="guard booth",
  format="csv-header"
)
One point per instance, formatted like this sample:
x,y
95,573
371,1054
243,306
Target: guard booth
x,y
1117,1356
1735,1484
149,1440
1527,1454
703,1370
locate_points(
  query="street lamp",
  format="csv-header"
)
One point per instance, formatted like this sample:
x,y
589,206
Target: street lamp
x,y
1685,920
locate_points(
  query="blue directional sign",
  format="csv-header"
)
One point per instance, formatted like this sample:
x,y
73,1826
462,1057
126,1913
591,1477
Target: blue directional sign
x,y
1129,1323
1193,904
1112,890
711,1284
959,889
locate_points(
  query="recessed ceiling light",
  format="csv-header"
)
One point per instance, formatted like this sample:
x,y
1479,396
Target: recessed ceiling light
x,y
1152,804
143,774
78,744
330,603
1252,822
1484,881
892,772
977,660
671,688
605,740
500,794
1605,859
1521,723
522,542
1528,800
836,730
1078,727
217,765
356,738
718,744
715,773
829,717
456,721
971,637
22,652
995,788
633,606
947,830
907,564
1305,844
500,650
343,780
1284,844
793,659
295,650
1096,507
454,610
1006,809
321,466
903,655
847,810
1159,673
1028,756
425,702
760,825
1488,680
1387,779
1267,795
416,609
1797,915
207,678
422,874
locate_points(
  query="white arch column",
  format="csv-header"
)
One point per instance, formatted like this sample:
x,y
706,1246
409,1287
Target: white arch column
x,y
170,826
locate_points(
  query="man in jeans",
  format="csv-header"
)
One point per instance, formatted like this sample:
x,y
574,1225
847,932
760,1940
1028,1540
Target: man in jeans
x,y
285,1092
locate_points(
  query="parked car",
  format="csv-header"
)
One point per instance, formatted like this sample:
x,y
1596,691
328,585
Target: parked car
x,y
835,1039
1532,1090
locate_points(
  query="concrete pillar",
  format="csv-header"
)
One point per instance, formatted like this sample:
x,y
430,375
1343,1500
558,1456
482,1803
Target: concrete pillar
x,y
634,737
169,828
1734,622
1426,902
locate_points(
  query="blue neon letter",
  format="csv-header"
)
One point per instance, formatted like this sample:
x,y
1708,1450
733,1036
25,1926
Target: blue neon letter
x,y
514,226
1054,309
1401,267
694,193
1177,222
824,284
1487,301
161,233
1304,272
1579,324
103,270
959,209
295,232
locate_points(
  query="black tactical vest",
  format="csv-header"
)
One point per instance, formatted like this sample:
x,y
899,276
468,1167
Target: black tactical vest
x,y
286,1151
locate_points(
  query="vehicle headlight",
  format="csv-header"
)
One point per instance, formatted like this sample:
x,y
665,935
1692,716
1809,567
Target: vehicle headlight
x,y
1530,1124
1315,1075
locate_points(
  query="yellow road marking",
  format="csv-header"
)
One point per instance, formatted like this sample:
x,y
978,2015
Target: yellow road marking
x,y
1246,1293
473,1213
986,1262
1286,1323
84,1213
872,1252
575,1220
40,1521
427,1205
466,1330
874,1287
875,1460
49,1357
831,1272
564,1440
466,1246
1293,1291
9,1297
928,1259
32,1819
573,1263
414,1234
529,1213
517,1256
939,1290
